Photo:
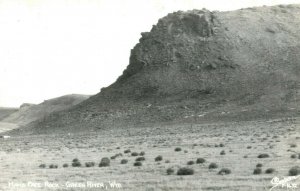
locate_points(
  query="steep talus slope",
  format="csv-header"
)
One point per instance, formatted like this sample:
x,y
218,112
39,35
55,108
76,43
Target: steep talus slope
x,y
200,65
31,112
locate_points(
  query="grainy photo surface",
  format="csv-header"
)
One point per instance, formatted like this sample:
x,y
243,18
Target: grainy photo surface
x,y
149,95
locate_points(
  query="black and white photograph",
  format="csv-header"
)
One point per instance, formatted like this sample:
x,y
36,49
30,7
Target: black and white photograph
x,y
149,95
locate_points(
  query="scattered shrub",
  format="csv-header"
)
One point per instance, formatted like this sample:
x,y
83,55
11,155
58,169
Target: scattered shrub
x,y
158,158
127,151
113,157
221,145
259,165
293,156
124,161
65,165
185,171
293,145
190,162
222,152
177,149
257,171
53,166
140,159
270,171
249,147
212,165
104,162
76,163
170,171
294,171
138,163
263,156
200,160
167,161
134,154
224,171
270,30
142,153
89,164
75,160
42,166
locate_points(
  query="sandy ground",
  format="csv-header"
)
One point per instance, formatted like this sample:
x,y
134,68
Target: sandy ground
x,y
20,157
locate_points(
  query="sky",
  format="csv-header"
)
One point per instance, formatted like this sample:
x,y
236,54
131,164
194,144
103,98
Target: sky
x,y
50,48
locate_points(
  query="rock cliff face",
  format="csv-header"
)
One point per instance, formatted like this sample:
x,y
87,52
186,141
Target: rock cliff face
x,y
243,64
180,55
223,54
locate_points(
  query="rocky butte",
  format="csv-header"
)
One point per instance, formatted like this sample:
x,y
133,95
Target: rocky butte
x,y
199,66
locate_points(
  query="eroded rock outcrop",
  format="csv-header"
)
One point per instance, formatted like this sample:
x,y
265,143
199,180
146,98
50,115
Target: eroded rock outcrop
x,y
200,65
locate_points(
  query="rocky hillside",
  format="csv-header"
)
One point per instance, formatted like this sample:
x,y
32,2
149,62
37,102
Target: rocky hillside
x,y
31,112
200,65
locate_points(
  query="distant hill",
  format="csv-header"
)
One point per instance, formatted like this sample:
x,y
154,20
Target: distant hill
x,y
200,65
31,112
6,111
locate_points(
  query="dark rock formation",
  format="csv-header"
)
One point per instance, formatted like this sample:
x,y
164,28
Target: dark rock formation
x,y
242,64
